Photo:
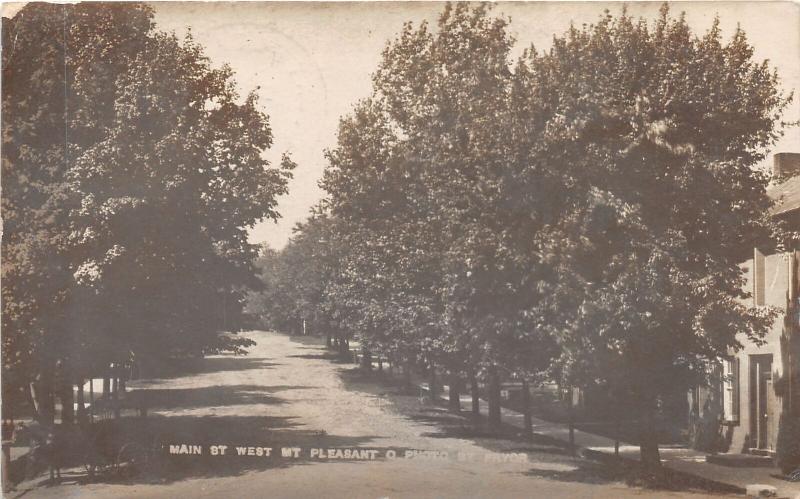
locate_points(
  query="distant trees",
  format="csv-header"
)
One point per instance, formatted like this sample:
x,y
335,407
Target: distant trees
x,y
295,280
265,306
578,215
131,171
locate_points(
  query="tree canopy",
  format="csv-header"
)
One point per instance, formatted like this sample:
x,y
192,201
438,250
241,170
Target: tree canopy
x,y
132,169
578,214
660,133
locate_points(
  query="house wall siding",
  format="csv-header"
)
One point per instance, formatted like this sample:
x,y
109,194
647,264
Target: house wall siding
x,y
774,281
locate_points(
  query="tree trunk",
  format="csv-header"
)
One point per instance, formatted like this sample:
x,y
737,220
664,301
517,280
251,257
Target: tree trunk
x,y
115,394
407,376
91,399
81,403
494,398
66,396
476,394
106,385
328,341
454,398
366,359
27,392
434,386
526,408
648,443
571,420
117,408
39,404
34,400
43,401
380,364
141,367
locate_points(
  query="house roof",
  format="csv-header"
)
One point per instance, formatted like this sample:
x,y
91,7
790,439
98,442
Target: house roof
x,y
786,195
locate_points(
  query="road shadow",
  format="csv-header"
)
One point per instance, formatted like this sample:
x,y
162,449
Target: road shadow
x,y
334,358
550,458
180,428
439,421
314,341
588,472
180,448
209,396
184,367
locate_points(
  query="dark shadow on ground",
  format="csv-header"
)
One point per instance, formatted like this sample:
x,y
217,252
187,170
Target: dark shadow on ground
x,y
330,357
179,368
161,436
210,396
585,471
550,458
315,341
443,423
168,461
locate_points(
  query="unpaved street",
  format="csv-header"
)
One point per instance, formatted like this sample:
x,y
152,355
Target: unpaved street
x,y
286,393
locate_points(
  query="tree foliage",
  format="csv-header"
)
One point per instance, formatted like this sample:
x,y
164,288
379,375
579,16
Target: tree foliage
x,y
580,213
660,133
132,169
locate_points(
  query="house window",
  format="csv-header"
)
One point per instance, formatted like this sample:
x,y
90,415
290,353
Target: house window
x,y
730,393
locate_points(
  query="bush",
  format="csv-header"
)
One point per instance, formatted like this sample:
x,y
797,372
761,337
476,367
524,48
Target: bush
x,y
788,451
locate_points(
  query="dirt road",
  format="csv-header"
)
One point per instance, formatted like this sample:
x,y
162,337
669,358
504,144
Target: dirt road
x,y
341,425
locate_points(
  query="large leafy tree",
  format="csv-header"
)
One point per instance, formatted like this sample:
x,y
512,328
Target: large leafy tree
x,y
452,93
131,171
371,199
657,133
36,195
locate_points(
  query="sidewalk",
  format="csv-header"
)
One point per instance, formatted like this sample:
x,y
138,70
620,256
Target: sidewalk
x,y
679,459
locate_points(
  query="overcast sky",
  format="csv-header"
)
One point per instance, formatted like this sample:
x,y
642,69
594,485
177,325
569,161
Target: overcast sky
x,y
313,61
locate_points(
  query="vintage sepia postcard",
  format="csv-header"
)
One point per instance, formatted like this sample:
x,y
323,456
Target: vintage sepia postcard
x,y
400,249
